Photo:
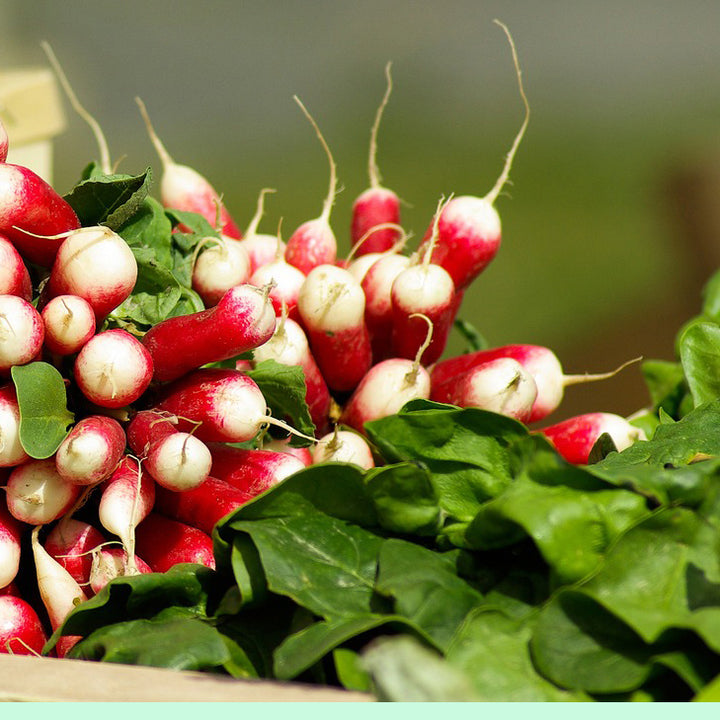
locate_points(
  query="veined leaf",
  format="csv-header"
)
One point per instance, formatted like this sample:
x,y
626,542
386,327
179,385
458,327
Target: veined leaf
x,y
44,415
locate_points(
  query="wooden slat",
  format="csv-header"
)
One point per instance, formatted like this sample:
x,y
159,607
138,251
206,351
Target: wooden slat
x,y
28,678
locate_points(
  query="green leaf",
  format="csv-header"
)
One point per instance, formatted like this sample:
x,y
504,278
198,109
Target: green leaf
x,y
110,200
700,357
492,650
405,499
283,387
474,339
44,415
322,563
176,643
402,669
465,450
666,384
425,588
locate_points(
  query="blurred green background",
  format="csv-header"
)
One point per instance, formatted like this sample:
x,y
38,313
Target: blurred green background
x,y
610,223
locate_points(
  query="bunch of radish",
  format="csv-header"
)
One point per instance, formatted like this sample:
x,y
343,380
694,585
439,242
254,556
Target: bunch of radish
x,y
168,431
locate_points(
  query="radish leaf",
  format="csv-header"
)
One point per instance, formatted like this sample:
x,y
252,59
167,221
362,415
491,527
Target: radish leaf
x,y
44,415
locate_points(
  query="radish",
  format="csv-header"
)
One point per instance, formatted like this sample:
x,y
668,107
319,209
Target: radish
x,y
96,264
502,385
219,267
128,495
21,631
179,462
69,323
113,369
331,305
539,361
202,507
422,289
11,450
377,288
344,446
59,591
289,346
261,248
71,543
386,387
111,563
469,228
3,142
33,217
377,206
10,546
218,405
37,494
91,450
22,332
252,470
575,437
243,319
165,542
176,460
183,188
283,280
14,275
313,243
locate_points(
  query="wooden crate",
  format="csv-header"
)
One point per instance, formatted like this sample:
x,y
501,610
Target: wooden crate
x,y
32,679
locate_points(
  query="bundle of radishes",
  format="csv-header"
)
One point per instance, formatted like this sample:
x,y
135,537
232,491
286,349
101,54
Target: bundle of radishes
x,y
159,430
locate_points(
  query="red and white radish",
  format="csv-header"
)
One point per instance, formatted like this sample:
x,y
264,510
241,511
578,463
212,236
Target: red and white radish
x,y
218,405
202,507
376,209
386,387
14,275
71,542
261,247
313,243
183,188
469,227
164,542
283,281
539,361
22,332
575,437
91,450
128,495
331,305
502,385
424,289
59,591
21,630
10,546
111,563
179,462
69,324
252,470
220,264
37,494
243,319
96,264
11,450
113,368
33,217
344,446
289,346
377,287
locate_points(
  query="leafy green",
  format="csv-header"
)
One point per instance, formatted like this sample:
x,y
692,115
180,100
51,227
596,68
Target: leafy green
x,y
44,416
